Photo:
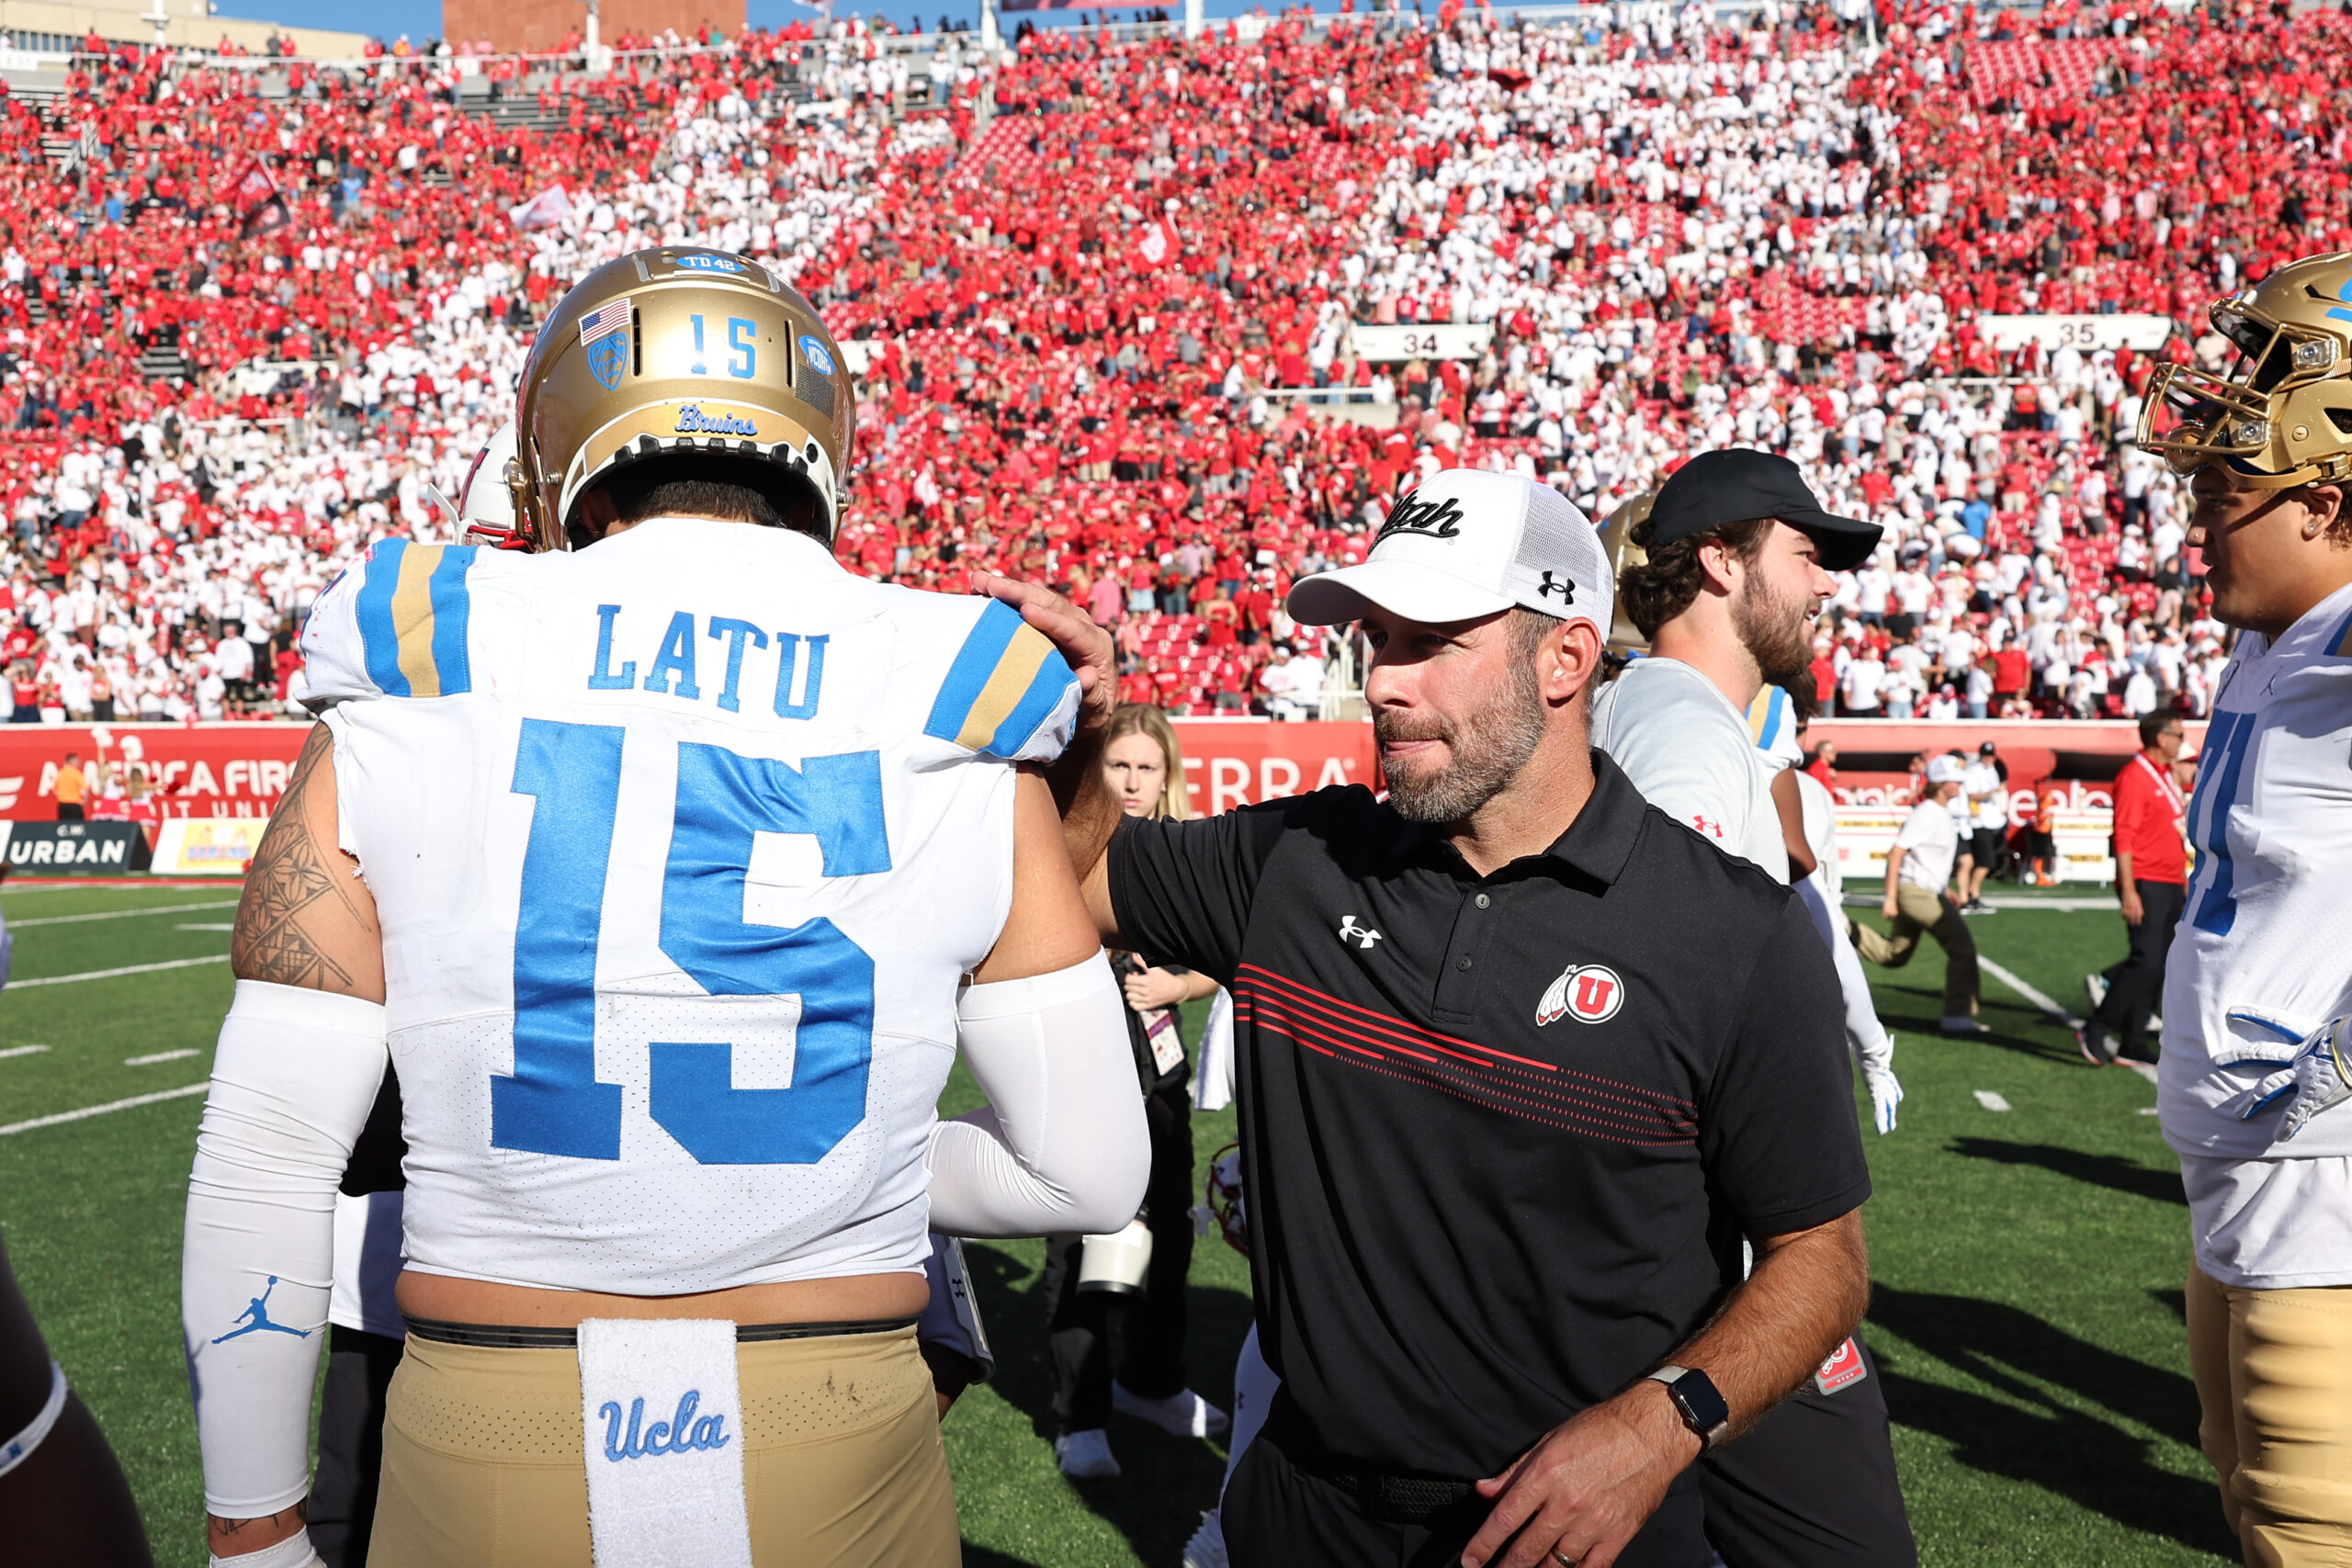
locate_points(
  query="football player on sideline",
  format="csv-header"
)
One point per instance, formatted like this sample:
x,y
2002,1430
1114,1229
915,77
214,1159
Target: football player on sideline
x,y
2259,977
659,868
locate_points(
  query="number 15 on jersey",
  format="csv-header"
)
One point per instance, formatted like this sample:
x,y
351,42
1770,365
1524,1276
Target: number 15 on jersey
x,y
553,1104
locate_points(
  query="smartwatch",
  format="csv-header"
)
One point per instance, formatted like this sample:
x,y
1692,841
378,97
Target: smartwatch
x,y
1696,1400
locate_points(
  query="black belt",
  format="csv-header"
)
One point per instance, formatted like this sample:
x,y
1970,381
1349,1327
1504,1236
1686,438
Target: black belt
x,y
504,1337
1391,1498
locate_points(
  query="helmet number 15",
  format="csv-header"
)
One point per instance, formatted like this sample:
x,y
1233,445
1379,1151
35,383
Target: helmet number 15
x,y
744,361
552,1102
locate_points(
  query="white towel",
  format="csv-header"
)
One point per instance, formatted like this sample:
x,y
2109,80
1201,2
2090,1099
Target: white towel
x,y
1213,1085
664,1425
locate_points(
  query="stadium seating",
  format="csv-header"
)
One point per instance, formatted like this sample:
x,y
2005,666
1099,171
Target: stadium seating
x,y
1103,295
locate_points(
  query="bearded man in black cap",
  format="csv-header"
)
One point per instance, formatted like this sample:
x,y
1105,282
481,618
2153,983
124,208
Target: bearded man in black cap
x,y
1739,553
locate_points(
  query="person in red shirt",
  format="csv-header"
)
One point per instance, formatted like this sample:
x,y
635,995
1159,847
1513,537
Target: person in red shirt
x,y
2151,882
1824,766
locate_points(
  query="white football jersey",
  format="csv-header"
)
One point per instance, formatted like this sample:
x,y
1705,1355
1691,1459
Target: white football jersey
x,y
681,846
2267,924
1692,755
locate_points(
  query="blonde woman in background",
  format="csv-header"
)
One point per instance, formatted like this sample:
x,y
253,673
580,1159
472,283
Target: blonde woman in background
x,y
1146,770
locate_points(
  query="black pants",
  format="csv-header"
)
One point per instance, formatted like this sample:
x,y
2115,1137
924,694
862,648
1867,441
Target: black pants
x,y
1812,1485
1276,1516
2136,984
351,1444
69,811
1152,1347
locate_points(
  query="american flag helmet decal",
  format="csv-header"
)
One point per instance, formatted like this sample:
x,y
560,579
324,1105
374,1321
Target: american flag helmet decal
x,y
604,319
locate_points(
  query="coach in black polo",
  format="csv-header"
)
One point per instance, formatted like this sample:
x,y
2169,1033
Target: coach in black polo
x,y
1522,1062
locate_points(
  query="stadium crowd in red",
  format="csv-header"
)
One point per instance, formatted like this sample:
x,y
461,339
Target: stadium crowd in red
x,y
1086,321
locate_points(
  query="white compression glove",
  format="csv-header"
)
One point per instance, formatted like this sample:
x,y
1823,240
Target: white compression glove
x,y
292,1081
1061,1146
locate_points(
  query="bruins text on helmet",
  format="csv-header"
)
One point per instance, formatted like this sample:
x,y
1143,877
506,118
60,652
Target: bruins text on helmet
x,y
2282,416
679,350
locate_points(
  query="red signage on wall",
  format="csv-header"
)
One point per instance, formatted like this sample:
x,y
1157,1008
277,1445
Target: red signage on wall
x,y
204,770
240,769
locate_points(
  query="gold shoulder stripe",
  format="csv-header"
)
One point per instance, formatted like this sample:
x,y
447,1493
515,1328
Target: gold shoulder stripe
x,y
1015,668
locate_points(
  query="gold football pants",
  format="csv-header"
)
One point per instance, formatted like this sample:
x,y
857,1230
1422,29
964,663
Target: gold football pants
x,y
2273,1393
842,1468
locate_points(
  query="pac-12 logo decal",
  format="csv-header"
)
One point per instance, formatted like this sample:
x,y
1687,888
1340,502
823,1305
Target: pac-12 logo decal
x,y
1590,993
607,357
816,354
603,334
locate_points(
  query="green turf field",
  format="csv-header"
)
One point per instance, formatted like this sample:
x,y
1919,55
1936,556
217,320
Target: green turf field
x,y
2029,1265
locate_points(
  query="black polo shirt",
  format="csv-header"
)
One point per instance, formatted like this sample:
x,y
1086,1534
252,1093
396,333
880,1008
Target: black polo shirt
x,y
1480,1201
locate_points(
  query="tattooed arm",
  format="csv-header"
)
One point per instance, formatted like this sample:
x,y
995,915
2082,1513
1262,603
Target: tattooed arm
x,y
306,919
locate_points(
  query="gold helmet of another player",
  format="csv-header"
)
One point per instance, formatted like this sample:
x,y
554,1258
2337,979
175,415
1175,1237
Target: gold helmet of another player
x,y
2282,415
1617,539
673,350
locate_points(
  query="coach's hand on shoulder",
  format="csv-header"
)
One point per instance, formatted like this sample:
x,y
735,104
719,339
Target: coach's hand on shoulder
x,y
1587,1488
1094,658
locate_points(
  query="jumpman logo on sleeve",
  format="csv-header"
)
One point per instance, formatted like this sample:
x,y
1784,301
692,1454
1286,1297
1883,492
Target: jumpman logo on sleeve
x,y
259,1313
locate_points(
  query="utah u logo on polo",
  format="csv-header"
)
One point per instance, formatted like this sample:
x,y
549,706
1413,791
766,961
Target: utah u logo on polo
x,y
1589,993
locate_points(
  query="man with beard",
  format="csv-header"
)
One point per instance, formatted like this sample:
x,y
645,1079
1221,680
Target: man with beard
x,y
1739,553
1740,557
1521,1064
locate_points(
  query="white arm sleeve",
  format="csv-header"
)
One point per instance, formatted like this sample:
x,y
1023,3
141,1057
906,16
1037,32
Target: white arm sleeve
x,y
1061,1146
292,1081
1866,1037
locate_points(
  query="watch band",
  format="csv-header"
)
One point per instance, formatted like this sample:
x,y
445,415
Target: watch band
x,y
1709,1434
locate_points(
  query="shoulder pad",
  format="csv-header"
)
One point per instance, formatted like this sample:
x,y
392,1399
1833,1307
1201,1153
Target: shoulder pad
x,y
394,625
1008,694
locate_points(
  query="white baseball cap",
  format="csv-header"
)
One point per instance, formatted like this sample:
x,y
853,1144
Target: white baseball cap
x,y
1466,544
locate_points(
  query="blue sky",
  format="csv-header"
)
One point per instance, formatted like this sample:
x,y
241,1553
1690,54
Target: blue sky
x,y
420,20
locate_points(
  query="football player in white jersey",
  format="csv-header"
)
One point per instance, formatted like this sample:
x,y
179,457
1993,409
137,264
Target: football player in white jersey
x,y
2258,980
657,870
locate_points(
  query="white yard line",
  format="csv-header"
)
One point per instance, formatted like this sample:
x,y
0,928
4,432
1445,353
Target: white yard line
x,y
117,915
2017,984
2061,906
89,1111
22,1051
111,974
159,1056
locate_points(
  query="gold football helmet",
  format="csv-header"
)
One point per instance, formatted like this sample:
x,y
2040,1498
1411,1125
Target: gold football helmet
x,y
2282,416
678,349
1617,538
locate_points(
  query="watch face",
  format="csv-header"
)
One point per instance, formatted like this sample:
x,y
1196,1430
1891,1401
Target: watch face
x,y
1701,1402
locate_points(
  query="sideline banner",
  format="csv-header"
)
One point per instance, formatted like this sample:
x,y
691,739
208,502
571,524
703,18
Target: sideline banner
x,y
1240,761
204,770
207,846
1874,757
74,848
238,771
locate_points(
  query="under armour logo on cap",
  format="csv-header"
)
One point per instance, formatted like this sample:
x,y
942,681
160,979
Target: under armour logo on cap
x,y
1466,544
